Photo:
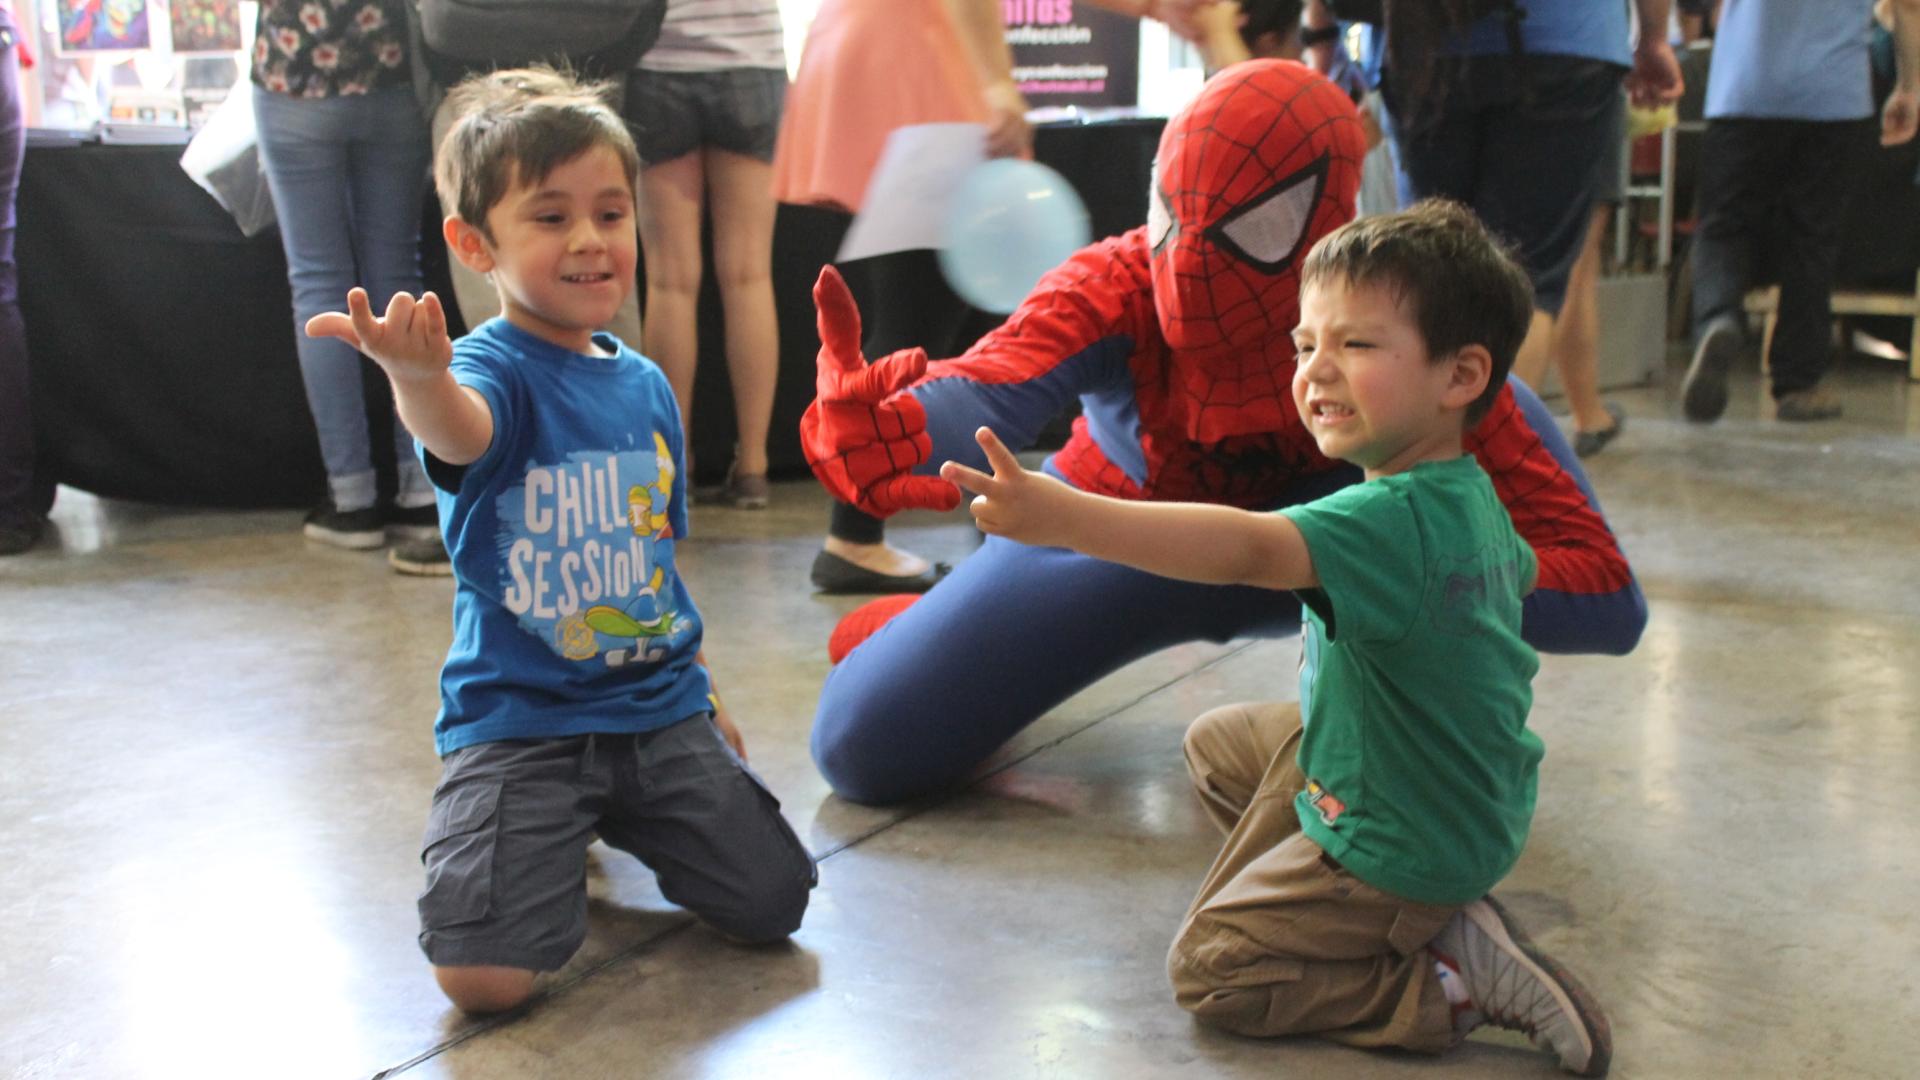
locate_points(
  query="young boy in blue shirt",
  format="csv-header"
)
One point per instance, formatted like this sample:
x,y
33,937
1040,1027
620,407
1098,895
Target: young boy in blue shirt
x,y
575,700
1364,829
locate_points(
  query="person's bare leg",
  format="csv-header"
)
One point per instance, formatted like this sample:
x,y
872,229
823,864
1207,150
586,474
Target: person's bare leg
x,y
743,210
1576,334
669,213
1531,362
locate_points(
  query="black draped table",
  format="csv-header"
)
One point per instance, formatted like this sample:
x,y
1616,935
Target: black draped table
x,y
162,345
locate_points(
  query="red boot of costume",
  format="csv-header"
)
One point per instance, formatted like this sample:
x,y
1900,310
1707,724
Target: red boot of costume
x,y
861,623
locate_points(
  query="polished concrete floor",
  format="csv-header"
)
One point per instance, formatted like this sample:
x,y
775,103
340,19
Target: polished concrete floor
x,y
216,749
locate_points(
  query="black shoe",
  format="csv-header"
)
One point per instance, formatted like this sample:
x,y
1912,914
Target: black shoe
x,y
17,537
360,530
1704,393
1800,406
413,523
421,558
743,491
1589,443
833,574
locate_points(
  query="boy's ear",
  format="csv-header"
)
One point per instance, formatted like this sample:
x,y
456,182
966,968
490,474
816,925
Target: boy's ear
x,y
1467,376
467,245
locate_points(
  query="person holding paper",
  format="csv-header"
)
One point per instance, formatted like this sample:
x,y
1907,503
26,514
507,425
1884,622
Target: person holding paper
x,y
870,67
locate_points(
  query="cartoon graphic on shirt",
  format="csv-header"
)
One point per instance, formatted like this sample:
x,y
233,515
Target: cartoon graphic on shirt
x,y
582,565
614,622
647,503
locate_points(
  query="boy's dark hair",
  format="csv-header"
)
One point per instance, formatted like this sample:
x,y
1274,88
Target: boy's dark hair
x,y
1464,285
517,126
1277,17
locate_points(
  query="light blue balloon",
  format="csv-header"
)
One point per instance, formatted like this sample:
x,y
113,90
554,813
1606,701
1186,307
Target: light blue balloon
x,y
1010,222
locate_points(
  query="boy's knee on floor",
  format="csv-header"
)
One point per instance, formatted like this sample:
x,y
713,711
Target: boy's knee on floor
x,y
1224,980
772,919
485,989
772,905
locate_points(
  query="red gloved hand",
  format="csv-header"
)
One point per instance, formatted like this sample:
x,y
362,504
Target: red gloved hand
x,y
864,433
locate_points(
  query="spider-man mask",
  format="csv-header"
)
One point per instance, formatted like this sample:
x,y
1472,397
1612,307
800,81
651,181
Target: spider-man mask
x,y
1262,164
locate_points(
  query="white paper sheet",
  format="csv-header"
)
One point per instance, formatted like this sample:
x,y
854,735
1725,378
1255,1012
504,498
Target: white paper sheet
x,y
912,186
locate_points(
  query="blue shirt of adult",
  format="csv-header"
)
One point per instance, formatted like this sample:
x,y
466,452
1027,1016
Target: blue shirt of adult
x,y
1591,29
1792,60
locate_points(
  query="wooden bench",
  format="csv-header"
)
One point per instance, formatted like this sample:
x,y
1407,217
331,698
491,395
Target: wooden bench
x,y
1765,302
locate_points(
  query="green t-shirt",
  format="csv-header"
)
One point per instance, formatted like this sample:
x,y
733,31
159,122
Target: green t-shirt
x,y
1415,683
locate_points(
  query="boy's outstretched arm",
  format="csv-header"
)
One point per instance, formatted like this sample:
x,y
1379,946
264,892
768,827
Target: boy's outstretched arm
x,y
411,345
1213,545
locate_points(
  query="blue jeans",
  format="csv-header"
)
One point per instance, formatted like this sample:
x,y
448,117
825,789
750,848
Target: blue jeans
x,y
347,175
18,505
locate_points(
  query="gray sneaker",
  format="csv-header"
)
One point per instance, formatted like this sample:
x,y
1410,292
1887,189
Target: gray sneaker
x,y
1703,394
421,558
1513,985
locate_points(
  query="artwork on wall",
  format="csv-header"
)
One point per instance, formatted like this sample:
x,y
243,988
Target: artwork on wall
x,y
95,26
204,26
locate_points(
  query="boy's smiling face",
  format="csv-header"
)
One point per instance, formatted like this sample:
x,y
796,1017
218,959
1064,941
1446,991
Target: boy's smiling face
x,y
1366,387
563,249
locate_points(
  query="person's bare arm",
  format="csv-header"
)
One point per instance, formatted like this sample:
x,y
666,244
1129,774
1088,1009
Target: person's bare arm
x,y
1315,15
1655,78
1901,115
1219,40
1212,545
411,345
1179,15
721,719
985,37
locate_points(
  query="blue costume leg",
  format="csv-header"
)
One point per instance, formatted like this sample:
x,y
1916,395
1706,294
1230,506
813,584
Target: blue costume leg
x,y
1012,632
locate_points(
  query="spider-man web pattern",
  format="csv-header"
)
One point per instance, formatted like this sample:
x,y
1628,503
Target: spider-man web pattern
x,y
1261,146
1175,337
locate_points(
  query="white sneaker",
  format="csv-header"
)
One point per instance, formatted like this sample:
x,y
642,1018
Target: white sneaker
x,y
1511,984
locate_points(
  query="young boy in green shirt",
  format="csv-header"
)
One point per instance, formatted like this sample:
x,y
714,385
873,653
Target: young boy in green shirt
x,y
1365,828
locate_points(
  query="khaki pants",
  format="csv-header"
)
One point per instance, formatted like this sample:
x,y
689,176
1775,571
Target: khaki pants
x,y
1281,940
473,292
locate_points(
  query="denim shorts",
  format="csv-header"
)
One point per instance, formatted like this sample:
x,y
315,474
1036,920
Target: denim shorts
x,y
1520,141
506,845
1609,184
677,112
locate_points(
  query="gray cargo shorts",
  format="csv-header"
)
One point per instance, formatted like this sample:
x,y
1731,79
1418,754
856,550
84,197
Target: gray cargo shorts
x,y
506,845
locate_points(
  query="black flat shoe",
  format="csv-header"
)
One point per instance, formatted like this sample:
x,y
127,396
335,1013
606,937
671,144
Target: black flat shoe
x,y
1589,443
833,574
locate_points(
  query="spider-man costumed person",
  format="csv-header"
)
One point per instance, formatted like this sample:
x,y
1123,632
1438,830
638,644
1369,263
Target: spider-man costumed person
x,y
1175,337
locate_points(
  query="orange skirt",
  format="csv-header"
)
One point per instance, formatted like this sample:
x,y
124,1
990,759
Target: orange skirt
x,y
868,67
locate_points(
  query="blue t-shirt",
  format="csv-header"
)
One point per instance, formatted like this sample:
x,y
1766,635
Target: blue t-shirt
x,y
568,615
1792,60
1594,29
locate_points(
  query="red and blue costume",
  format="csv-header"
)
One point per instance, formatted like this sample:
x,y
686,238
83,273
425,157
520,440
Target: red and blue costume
x,y
1175,338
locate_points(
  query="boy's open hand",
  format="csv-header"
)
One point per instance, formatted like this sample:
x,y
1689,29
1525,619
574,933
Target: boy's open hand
x,y
410,343
1016,503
